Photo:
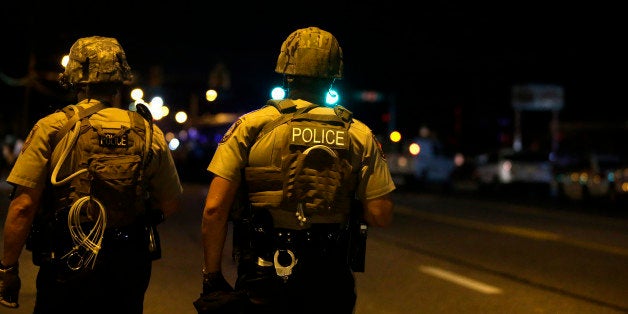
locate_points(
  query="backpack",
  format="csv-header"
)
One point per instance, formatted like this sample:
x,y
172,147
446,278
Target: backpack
x,y
102,186
108,163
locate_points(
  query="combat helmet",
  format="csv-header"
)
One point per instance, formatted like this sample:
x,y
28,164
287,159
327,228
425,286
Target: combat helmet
x,y
96,59
311,52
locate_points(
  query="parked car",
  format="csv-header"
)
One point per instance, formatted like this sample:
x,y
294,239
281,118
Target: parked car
x,y
400,166
432,163
621,183
424,165
507,168
594,176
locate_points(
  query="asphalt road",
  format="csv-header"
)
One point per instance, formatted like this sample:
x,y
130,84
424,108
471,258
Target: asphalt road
x,y
441,255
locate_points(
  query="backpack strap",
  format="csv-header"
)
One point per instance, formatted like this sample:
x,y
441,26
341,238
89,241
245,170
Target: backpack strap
x,y
82,113
343,113
283,105
146,114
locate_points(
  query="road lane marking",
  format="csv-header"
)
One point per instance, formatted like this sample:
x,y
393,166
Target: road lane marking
x,y
461,280
517,231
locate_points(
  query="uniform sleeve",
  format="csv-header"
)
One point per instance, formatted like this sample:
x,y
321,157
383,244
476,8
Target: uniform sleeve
x,y
231,154
374,176
164,183
32,167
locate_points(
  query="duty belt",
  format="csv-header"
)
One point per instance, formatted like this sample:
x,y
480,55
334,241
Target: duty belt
x,y
133,232
282,248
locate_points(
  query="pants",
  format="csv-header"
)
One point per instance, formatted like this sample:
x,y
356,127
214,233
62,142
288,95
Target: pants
x,y
117,284
321,282
317,290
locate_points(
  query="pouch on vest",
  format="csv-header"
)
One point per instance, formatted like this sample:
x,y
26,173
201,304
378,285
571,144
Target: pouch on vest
x,y
114,182
108,160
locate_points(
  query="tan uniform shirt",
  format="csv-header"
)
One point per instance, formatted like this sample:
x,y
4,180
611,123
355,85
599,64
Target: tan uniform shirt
x,y
239,149
34,166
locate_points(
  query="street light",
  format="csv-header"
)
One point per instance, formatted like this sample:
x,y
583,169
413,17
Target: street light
x,y
181,117
137,94
211,95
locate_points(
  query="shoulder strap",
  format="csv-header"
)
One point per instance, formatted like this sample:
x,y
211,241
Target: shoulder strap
x,y
146,114
284,106
82,113
343,113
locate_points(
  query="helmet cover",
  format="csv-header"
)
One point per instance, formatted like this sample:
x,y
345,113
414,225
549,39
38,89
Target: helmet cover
x,y
96,59
311,52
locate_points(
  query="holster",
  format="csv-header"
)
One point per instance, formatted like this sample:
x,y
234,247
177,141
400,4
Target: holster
x,y
47,237
358,233
38,241
357,246
154,242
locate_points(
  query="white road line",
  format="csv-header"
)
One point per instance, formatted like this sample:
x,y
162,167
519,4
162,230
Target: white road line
x,y
514,230
461,280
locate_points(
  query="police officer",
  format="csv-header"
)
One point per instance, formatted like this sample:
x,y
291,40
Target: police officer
x,y
299,165
118,276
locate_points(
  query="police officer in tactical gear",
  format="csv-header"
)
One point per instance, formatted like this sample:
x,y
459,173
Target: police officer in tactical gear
x,y
289,176
90,184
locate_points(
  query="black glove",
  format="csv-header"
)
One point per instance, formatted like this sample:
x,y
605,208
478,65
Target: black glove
x,y
10,285
219,297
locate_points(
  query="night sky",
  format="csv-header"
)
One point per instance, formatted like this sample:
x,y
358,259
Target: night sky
x,y
447,65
